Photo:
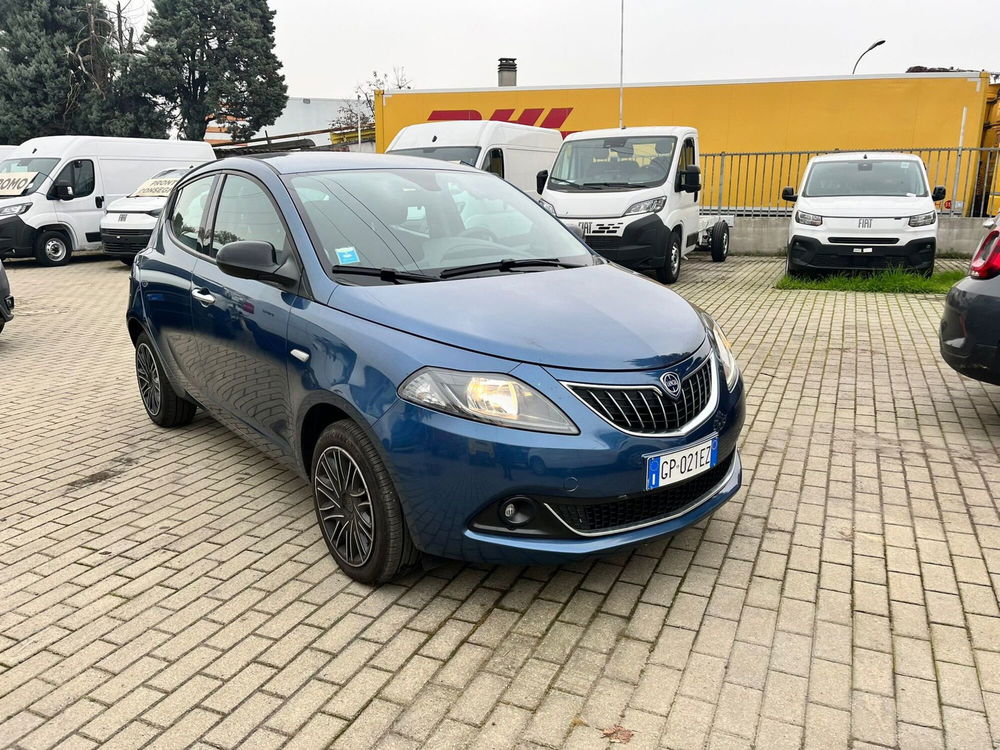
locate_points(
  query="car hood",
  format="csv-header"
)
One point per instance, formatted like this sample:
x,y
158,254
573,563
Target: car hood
x,y
878,206
594,318
599,204
138,205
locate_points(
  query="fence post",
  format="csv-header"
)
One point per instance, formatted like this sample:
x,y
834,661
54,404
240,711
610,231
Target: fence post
x,y
722,179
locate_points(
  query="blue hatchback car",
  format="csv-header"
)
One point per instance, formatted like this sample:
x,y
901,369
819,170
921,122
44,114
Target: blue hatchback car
x,y
453,371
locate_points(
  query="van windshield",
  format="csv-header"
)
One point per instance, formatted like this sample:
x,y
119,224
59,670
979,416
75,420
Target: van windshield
x,y
616,163
882,177
430,222
468,155
37,168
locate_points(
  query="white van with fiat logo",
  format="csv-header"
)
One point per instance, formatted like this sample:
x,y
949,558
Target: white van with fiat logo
x,y
860,211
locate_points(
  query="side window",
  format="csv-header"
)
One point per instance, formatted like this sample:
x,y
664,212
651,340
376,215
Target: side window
x,y
685,159
80,174
246,213
494,162
188,212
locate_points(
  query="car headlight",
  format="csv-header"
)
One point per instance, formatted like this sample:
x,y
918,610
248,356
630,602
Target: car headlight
x,y
725,353
15,210
810,220
650,206
485,397
922,220
547,206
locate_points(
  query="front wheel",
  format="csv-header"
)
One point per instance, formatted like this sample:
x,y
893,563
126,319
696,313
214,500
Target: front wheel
x,y
52,249
163,406
357,507
670,271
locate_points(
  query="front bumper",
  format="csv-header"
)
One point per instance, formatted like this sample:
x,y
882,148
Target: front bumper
x,y
453,473
124,243
810,254
970,329
17,239
640,246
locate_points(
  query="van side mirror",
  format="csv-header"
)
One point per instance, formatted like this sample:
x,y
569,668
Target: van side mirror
x,y
788,194
63,190
689,179
250,259
938,193
540,179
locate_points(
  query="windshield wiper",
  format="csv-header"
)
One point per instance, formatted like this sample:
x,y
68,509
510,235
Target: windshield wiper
x,y
613,184
386,274
508,264
564,182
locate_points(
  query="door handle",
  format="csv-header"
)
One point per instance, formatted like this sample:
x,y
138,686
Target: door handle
x,y
99,200
300,355
203,296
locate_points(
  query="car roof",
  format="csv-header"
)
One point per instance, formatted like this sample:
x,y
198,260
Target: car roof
x,y
675,130
871,155
295,162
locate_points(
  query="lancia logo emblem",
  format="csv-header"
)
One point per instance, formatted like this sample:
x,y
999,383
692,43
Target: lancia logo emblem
x,y
671,384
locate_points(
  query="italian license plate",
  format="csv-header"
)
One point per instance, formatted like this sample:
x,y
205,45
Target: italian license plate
x,y
663,469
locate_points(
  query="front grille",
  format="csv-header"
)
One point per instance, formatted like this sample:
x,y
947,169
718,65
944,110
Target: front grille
x,y
865,240
125,240
648,410
646,508
603,242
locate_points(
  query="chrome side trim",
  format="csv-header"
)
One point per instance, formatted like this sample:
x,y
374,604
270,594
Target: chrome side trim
x,y
696,421
697,504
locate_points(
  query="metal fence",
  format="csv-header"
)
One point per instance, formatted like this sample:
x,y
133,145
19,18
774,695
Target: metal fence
x,y
750,184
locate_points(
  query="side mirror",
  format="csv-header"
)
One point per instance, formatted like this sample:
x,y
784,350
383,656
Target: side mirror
x,y
63,190
540,179
689,179
251,259
788,194
938,193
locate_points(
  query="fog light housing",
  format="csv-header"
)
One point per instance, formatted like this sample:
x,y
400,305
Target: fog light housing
x,y
517,511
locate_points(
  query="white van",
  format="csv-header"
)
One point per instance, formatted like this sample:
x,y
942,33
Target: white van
x,y
5,150
129,222
863,211
54,190
633,195
511,151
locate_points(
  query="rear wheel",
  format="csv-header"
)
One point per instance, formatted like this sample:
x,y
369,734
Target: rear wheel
x,y
357,507
719,242
670,271
159,398
52,249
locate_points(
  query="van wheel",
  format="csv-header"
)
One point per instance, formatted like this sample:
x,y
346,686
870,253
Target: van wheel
x,y
163,406
719,243
670,271
357,507
52,249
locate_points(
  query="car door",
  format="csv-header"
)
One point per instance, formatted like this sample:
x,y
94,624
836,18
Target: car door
x,y
165,278
687,202
241,325
84,211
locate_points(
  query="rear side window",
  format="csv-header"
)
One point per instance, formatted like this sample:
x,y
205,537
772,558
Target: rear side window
x,y
80,175
246,213
188,213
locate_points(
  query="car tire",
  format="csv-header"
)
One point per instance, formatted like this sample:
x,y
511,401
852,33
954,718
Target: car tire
x,y
928,272
127,261
719,242
53,248
793,273
163,406
357,507
2,324
670,271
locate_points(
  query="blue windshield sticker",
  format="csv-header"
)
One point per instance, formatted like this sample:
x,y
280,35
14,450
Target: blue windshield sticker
x,y
347,255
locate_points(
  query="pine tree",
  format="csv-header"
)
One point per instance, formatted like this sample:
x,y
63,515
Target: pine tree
x,y
214,59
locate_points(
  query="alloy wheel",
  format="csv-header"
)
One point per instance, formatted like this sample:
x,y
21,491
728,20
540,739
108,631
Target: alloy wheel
x,y
148,375
345,506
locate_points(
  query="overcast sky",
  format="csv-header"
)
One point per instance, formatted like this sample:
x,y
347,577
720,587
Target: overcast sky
x,y
327,47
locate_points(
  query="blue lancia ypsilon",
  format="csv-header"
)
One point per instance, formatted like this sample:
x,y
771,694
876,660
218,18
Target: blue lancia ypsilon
x,y
453,371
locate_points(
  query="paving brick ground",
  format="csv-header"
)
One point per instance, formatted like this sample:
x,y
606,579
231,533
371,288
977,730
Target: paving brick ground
x,y
168,588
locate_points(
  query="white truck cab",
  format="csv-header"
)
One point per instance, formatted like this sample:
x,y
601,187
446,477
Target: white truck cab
x,y
54,190
511,151
863,211
633,195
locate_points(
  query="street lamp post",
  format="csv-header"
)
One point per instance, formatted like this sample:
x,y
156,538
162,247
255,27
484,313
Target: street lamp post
x,y
879,43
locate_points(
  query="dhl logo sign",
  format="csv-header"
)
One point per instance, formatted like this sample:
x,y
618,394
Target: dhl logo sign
x,y
530,116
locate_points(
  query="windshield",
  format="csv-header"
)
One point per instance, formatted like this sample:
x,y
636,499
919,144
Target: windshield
x,y
24,176
455,154
160,184
427,221
885,177
613,163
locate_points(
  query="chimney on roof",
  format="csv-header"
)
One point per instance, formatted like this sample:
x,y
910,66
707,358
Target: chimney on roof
x,y
507,71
